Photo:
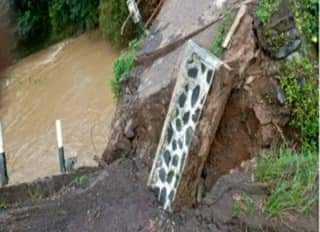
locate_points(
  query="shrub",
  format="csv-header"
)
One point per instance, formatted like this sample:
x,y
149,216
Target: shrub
x,y
70,16
307,17
300,84
265,9
31,22
40,22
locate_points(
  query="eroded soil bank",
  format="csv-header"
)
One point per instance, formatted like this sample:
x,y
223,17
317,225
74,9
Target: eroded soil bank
x,y
68,81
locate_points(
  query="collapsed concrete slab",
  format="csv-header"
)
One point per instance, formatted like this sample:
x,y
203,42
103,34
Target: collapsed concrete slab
x,y
196,74
203,86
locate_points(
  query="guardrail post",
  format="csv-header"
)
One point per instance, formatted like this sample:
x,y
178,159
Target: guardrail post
x,y
4,178
60,147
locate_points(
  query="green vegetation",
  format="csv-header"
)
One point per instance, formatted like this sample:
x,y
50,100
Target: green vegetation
x,y
124,64
265,9
68,17
216,47
299,80
292,174
306,13
31,23
307,17
292,177
113,14
39,23
81,181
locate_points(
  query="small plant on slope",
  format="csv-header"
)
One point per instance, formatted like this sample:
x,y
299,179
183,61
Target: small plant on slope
x,y
216,47
124,64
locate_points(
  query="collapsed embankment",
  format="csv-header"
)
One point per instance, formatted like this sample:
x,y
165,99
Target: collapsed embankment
x,y
255,119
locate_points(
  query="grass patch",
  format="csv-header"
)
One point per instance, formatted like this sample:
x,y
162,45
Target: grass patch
x,y
216,46
299,80
292,177
124,64
81,181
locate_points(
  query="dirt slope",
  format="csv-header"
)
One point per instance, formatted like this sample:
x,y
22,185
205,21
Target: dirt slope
x,y
117,201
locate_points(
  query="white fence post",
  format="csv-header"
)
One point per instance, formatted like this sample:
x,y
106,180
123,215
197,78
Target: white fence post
x,y
4,179
60,147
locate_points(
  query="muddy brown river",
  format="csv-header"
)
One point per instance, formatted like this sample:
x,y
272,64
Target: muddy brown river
x,y
67,81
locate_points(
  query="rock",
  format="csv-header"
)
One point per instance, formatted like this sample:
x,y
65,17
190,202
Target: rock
x,y
282,116
267,135
263,114
280,95
129,129
250,79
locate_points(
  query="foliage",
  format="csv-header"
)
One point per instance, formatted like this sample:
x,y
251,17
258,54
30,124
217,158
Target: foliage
x,y
124,64
306,13
265,9
113,14
299,82
216,46
73,15
307,17
291,176
40,22
31,22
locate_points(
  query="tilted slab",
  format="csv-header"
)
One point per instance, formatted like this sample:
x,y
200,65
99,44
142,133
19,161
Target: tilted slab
x,y
194,80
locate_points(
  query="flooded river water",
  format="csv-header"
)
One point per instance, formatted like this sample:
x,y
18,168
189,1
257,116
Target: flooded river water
x,y
68,81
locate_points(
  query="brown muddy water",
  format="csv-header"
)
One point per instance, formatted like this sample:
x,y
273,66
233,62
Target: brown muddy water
x,y
68,81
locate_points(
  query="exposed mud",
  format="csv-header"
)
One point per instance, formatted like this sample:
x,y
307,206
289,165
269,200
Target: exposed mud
x,y
254,113
68,81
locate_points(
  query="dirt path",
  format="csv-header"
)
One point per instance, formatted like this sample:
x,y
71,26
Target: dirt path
x,y
108,205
